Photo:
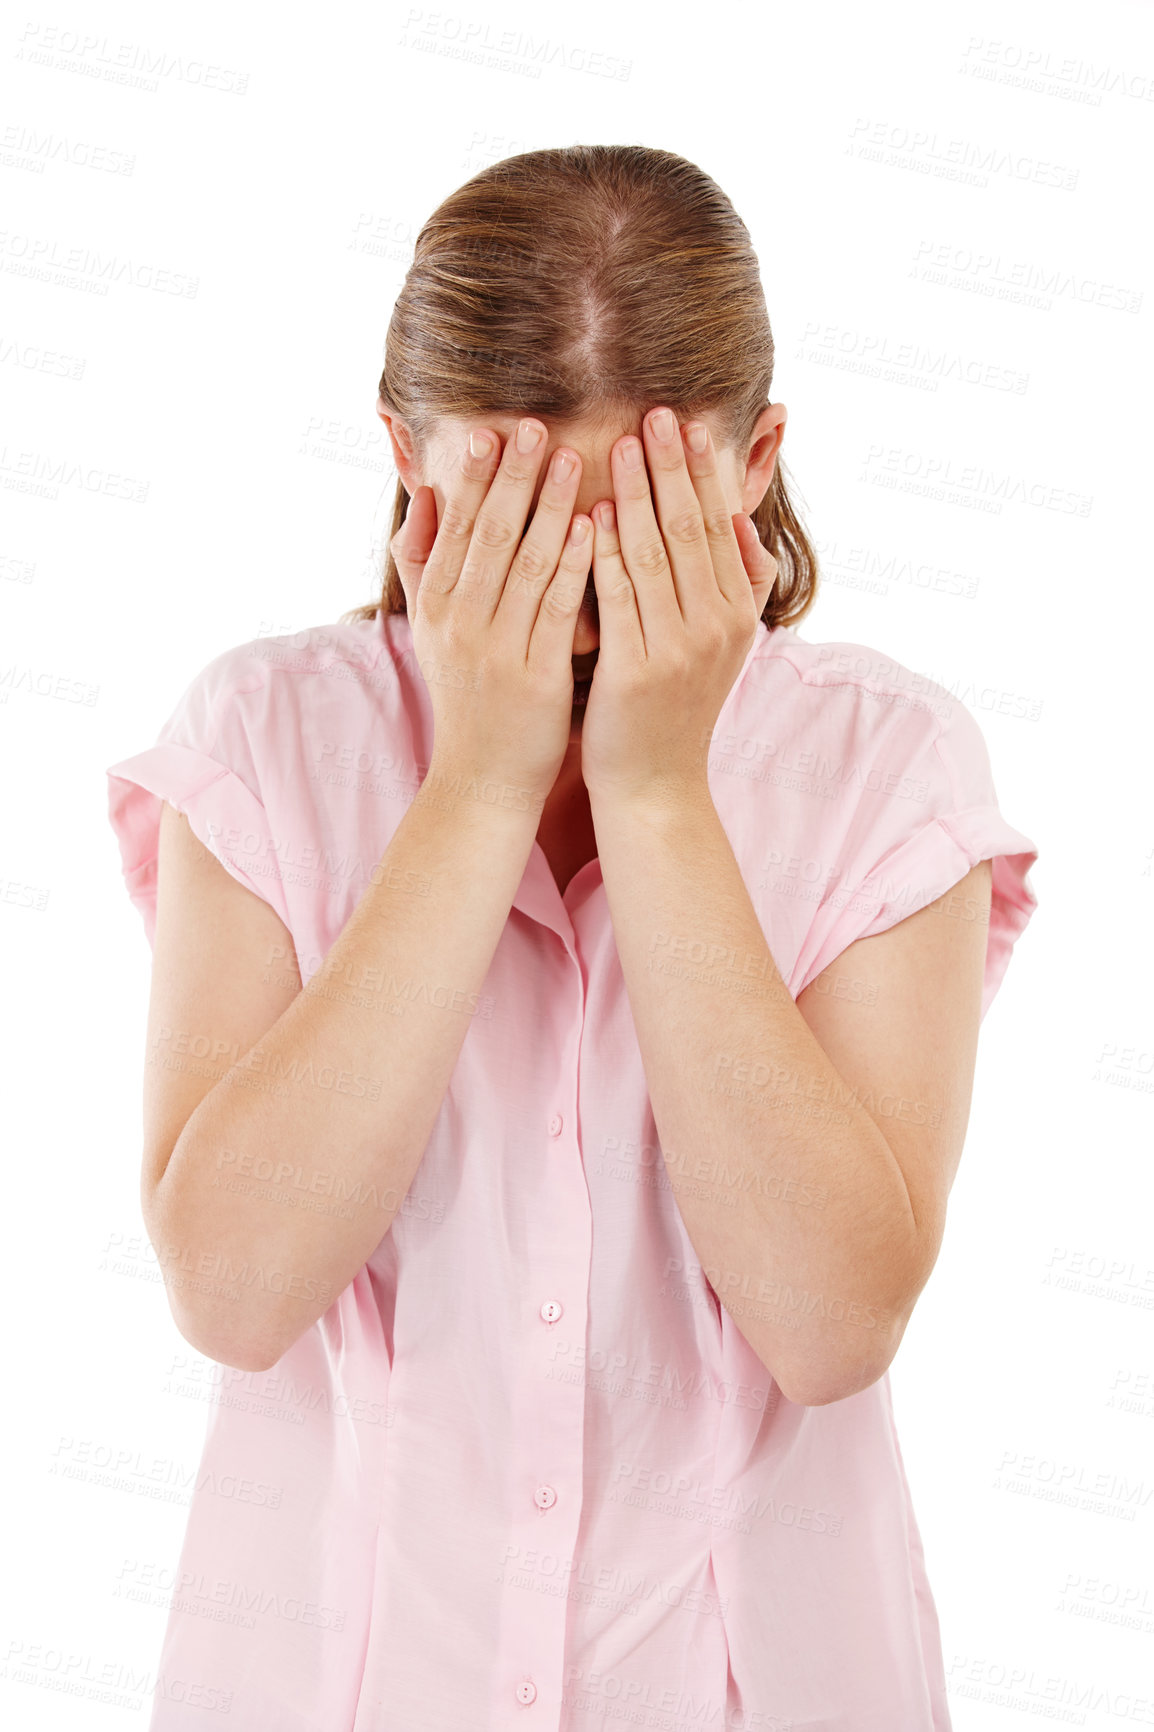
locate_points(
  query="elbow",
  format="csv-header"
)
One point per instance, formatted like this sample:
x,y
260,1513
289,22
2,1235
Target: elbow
x,y
238,1352
248,1356
209,1329
229,1340
818,1391
836,1375
818,1384
258,1361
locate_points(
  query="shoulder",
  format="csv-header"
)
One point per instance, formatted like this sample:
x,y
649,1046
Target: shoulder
x,y
861,670
848,721
314,649
857,688
345,656
264,699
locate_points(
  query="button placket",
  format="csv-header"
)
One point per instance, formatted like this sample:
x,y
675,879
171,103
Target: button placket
x,y
547,1404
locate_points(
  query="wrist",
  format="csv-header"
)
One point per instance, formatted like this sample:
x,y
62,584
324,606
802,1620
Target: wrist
x,y
454,784
672,801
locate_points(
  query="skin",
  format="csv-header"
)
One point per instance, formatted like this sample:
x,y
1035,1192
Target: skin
x,y
837,1164
566,832
896,1055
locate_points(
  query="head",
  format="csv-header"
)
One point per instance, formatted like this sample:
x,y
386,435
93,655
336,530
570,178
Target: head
x,y
585,286
746,482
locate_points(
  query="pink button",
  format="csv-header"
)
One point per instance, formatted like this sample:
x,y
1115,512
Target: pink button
x,y
545,1497
552,1310
526,1692
555,1124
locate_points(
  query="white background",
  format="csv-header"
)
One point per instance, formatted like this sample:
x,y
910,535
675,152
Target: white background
x,y
906,285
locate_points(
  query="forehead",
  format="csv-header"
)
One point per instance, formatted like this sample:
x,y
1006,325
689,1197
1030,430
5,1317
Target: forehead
x,y
588,433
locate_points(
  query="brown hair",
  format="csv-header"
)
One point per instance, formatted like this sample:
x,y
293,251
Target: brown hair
x,y
578,284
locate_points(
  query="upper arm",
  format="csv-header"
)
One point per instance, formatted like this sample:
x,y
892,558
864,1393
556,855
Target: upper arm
x,y
223,971
898,1015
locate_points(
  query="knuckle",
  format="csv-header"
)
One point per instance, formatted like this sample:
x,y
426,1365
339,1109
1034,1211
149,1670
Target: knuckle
x,y
558,600
456,523
492,532
717,522
476,468
666,461
618,588
532,562
519,470
686,528
448,635
650,555
552,508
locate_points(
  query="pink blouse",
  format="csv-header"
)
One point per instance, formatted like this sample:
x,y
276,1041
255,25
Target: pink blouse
x,y
525,1471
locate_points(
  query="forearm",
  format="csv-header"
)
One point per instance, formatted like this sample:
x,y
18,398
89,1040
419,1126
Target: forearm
x,y
793,1200
281,1184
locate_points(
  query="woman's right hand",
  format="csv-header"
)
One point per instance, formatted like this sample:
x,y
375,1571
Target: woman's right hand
x,y
493,616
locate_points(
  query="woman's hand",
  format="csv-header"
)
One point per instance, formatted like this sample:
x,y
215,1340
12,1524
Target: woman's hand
x,y
494,616
679,593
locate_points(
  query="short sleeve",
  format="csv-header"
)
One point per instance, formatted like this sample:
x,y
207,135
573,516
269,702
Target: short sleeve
x,y
204,764
930,815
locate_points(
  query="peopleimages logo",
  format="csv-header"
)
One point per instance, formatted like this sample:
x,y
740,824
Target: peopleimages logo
x,y
48,259
114,62
961,159
1023,281
1039,69
967,483
475,40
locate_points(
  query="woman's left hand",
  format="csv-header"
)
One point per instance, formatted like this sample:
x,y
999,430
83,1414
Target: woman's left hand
x,y
680,590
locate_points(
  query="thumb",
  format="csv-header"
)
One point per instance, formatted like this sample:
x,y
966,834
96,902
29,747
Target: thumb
x,y
760,565
412,545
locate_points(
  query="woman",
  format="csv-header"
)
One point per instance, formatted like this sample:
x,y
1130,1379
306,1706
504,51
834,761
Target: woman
x,y
554,1087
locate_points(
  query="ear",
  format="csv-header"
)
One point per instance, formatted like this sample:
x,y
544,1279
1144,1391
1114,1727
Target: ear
x,y
761,457
402,442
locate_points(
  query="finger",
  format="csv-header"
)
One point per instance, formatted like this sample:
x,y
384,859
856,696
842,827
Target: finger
x,y
551,643
413,542
759,562
679,516
620,622
638,542
724,549
535,561
463,500
501,518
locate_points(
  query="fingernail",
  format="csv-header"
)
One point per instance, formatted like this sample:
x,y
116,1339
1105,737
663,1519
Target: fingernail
x,y
631,454
480,444
662,425
696,436
562,466
528,437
